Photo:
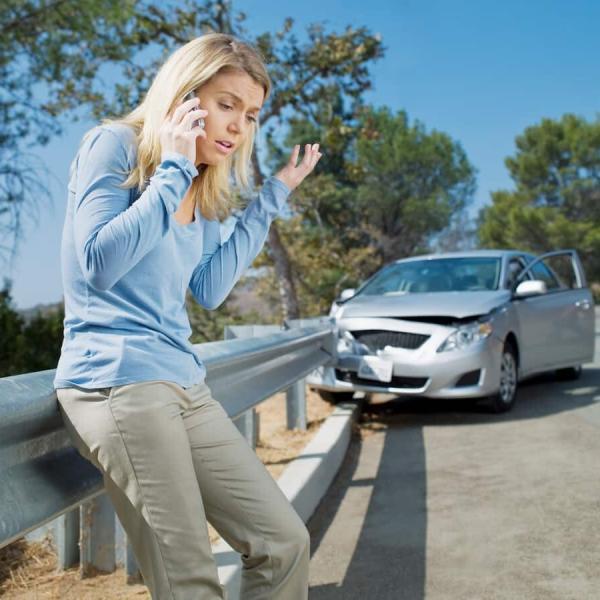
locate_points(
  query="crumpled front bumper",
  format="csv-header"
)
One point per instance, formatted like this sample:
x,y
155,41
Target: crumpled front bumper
x,y
467,373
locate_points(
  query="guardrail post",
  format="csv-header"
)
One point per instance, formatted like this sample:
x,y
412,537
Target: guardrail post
x,y
132,570
125,556
66,538
97,536
247,424
296,393
296,405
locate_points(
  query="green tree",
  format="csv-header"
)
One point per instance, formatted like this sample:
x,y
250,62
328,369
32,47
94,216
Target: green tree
x,y
385,190
556,200
209,325
50,55
11,324
41,340
411,182
28,347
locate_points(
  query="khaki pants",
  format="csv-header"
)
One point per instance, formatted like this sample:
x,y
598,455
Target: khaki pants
x,y
171,459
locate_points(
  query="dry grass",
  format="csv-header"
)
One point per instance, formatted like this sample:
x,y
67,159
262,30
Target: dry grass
x,y
29,570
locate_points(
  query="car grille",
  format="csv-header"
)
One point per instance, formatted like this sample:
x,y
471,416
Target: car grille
x,y
378,340
396,381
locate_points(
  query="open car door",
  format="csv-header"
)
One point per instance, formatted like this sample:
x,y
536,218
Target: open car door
x,y
562,318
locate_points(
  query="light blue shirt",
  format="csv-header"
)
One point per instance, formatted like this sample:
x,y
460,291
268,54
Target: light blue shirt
x,y
127,264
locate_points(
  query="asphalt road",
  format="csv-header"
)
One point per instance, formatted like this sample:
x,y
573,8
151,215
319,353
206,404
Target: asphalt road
x,y
441,500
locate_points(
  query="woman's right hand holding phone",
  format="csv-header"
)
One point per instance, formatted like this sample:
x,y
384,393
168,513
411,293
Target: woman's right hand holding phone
x,y
177,134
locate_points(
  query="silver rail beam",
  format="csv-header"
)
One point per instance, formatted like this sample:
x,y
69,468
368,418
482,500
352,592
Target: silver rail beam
x,y
42,476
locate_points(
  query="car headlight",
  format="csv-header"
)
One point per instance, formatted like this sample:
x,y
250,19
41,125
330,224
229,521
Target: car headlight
x,y
466,335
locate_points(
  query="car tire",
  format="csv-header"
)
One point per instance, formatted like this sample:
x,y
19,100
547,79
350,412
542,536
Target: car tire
x,y
335,397
569,373
504,399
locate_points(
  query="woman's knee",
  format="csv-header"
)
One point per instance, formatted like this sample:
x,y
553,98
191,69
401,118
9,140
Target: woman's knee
x,y
293,562
303,537
283,548
297,538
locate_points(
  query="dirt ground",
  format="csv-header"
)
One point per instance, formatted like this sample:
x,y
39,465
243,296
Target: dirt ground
x,y
28,570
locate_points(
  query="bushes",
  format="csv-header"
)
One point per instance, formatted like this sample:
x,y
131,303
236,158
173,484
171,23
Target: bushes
x,y
31,346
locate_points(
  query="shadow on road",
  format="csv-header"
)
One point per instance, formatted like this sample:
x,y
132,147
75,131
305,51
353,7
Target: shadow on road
x,y
389,554
388,559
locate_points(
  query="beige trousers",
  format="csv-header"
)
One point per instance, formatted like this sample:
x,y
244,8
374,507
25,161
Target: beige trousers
x,y
172,459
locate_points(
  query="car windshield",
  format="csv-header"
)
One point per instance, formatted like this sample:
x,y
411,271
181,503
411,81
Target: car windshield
x,y
436,275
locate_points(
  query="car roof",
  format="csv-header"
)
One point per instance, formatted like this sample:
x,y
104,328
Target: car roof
x,y
465,254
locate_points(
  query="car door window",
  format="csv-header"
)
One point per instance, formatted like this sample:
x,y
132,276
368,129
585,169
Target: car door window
x,y
515,266
563,269
541,272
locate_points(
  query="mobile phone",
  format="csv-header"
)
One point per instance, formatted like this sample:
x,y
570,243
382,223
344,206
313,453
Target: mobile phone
x,y
199,122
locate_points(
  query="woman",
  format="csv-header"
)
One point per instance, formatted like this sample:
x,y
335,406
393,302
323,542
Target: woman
x,y
146,196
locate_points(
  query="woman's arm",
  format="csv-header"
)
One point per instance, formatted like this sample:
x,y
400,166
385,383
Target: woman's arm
x,y
222,265
111,236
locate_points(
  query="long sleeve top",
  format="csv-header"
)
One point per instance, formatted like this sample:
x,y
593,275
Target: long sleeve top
x,y
126,264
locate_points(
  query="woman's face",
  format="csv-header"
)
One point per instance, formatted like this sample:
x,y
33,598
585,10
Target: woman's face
x,y
233,101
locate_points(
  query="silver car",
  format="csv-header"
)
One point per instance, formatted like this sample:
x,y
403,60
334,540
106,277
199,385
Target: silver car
x,y
461,325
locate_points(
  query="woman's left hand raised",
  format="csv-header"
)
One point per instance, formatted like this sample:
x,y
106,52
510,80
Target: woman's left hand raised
x,y
293,175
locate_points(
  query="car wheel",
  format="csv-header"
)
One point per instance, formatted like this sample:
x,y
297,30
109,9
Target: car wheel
x,y
569,374
335,397
504,399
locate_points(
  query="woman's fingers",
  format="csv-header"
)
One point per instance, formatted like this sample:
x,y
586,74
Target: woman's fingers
x,y
293,174
183,108
307,156
316,155
294,155
308,159
194,115
312,156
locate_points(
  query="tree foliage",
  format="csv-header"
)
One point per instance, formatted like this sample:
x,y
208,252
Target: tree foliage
x,y
208,325
50,54
384,189
556,200
28,346
78,38
410,182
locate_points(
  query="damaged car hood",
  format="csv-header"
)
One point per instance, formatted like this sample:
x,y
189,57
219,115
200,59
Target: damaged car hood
x,y
451,304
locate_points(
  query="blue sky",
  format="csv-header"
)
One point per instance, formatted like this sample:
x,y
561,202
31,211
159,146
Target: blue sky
x,y
481,71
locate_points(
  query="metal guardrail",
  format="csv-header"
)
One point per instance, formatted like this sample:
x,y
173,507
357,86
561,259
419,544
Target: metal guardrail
x,y
42,476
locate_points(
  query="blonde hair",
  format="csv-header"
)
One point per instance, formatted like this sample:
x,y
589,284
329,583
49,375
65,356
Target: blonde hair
x,y
186,69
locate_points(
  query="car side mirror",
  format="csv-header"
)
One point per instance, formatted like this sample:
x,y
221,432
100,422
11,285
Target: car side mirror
x,y
347,293
531,288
